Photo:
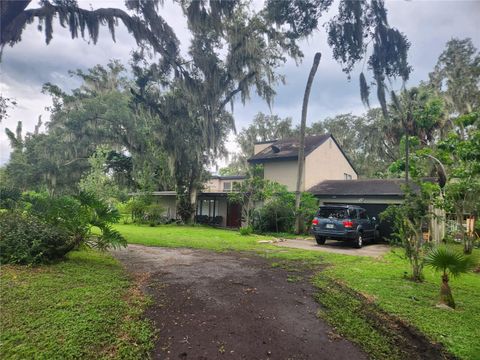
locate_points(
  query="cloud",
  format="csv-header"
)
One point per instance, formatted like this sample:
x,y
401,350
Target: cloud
x,y
427,24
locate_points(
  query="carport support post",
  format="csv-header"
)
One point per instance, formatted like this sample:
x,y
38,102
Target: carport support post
x,y
301,149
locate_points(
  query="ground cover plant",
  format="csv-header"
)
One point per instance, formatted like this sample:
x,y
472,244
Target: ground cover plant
x,y
349,283
83,307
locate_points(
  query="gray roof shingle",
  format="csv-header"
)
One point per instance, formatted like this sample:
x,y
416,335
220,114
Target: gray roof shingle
x,y
363,187
287,149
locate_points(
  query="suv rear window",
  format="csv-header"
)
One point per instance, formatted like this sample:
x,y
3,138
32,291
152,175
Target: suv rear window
x,y
336,213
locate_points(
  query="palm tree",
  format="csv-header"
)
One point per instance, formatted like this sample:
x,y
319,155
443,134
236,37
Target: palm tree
x,y
450,263
301,147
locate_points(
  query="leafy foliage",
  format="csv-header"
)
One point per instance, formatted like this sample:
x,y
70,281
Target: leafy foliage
x,y
74,217
409,219
449,261
97,181
9,197
25,239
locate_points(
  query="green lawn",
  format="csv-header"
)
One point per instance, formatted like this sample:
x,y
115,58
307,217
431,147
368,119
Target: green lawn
x,y
380,280
83,307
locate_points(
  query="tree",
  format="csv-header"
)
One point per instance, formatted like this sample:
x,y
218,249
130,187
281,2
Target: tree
x,y
263,128
232,51
369,141
450,263
357,26
96,181
456,78
145,24
5,104
461,156
301,146
408,220
248,193
419,112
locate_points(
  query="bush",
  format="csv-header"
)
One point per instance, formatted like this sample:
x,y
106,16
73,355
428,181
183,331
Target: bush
x,y
154,215
274,216
135,208
64,212
25,239
9,198
76,215
247,230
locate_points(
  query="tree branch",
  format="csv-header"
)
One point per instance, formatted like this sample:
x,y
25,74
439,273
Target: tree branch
x,y
163,40
230,96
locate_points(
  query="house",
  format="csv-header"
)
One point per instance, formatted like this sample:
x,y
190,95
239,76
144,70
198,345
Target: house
x,y
324,160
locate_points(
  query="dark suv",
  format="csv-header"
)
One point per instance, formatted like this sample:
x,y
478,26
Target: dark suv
x,y
344,222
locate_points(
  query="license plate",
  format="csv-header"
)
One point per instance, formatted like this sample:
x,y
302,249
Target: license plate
x,y
329,226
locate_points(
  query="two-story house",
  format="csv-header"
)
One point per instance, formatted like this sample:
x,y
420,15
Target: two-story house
x,y
324,160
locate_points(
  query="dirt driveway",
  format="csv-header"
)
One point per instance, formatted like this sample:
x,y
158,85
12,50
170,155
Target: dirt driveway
x,y
230,306
338,247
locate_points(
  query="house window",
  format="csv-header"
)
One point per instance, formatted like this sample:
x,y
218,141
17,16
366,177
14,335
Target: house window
x,y
227,186
207,207
347,176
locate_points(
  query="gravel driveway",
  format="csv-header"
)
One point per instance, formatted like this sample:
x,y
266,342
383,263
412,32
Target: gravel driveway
x,y
208,305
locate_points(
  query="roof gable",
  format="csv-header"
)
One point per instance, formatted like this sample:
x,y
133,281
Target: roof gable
x,y
287,149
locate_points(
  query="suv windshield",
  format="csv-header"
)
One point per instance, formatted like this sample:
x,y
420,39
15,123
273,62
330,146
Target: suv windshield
x,y
337,213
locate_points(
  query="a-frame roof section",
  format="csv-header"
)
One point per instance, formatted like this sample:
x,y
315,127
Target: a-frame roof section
x,y
287,149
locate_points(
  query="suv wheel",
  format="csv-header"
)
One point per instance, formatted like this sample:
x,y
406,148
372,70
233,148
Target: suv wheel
x,y
359,241
320,240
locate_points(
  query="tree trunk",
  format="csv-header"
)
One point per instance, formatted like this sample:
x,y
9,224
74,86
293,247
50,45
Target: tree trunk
x,y
407,155
416,256
467,244
446,296
301,149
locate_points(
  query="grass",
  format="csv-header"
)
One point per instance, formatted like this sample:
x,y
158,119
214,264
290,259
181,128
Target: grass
x,y
198,237
381,281
83,307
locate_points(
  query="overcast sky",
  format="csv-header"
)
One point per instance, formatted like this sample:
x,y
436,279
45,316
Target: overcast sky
x,y
31,63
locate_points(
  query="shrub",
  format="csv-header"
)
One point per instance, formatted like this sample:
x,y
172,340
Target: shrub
x,y
76,216
9,198
154,215
64,212
25,239
247,230
136,207
274,216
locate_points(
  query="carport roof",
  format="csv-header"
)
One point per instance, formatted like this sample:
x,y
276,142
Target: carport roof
x,y
363,187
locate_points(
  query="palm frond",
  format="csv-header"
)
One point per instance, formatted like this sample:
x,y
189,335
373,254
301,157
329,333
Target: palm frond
x,y
448,260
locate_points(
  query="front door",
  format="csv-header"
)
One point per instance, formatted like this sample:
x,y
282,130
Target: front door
x,y
234,215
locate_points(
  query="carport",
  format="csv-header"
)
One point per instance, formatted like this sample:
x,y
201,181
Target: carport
x,y
374,195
